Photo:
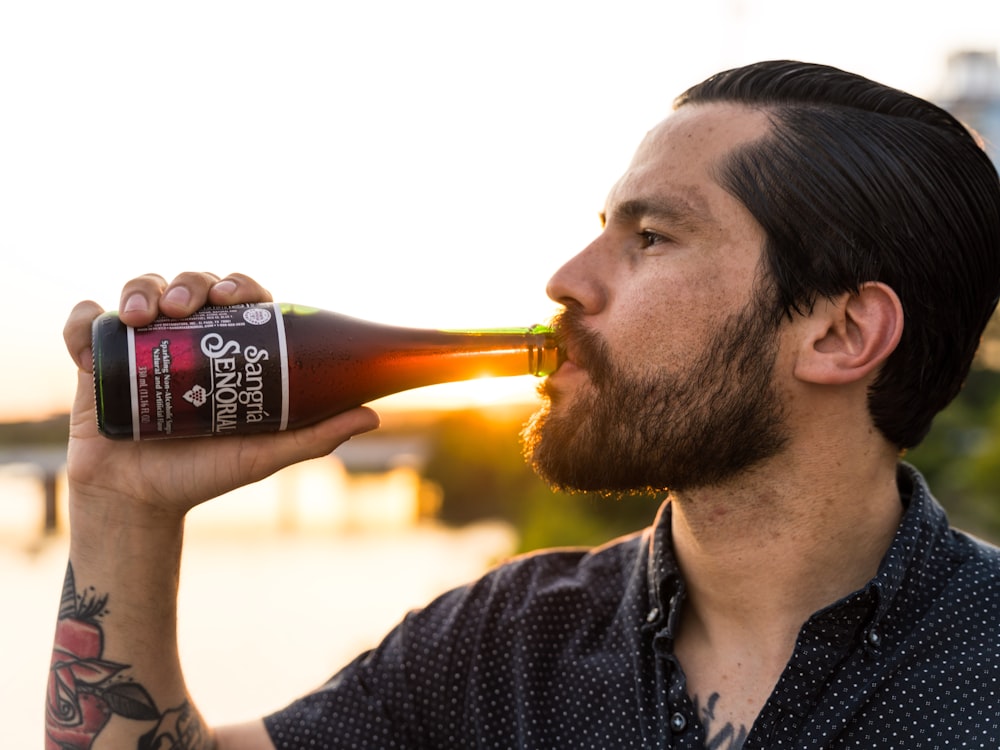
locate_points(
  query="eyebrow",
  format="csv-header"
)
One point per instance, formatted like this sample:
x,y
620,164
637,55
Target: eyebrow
x,y
678,212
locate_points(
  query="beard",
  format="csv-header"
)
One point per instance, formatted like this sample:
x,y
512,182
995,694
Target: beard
x,y
656,431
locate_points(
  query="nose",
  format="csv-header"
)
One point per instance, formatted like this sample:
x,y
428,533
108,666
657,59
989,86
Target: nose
x,y
580,282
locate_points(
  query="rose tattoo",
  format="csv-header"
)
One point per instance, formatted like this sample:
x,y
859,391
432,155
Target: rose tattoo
x,y
85,689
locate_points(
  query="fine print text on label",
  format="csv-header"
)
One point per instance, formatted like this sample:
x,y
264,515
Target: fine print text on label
x,y
217,372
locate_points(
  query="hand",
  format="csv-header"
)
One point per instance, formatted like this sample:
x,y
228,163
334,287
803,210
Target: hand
x,y
169,477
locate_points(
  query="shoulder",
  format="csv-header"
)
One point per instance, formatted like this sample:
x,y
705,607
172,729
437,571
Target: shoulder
x,y
562,571
547,584
951,611
978,569
939,556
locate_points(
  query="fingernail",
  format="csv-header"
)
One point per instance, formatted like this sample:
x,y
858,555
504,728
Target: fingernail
x,y
226,286
135,303
177,295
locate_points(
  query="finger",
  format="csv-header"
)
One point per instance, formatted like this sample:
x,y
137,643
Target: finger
x,y
77,333
186,293
320,439
138,303
236,288
347,425
82,420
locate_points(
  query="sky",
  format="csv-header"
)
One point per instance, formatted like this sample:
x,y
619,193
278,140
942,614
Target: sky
x,y
426,164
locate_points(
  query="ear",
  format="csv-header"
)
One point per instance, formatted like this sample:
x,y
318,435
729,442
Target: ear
x,y
846,339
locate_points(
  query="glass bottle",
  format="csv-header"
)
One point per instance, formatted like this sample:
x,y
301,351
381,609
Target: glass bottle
x,y
269,366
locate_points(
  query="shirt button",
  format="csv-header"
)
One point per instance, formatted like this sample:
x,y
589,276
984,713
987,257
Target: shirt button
x,y
874,638
678,722
653,614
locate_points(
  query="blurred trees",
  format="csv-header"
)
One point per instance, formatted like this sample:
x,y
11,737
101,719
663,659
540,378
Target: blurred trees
x,y
51,431
476,459
961,456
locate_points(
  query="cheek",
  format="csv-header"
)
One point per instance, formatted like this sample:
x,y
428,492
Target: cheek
x,y
654,330
664,315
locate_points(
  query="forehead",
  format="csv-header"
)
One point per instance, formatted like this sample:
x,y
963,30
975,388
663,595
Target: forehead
x,y
677,162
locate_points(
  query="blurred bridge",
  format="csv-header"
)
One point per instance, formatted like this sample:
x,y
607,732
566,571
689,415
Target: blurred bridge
x,y
368,454
47,462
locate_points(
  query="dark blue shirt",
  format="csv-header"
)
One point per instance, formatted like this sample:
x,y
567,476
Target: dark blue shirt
x,y
573,649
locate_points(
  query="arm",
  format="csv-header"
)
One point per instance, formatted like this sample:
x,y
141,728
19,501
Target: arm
x,y
115,670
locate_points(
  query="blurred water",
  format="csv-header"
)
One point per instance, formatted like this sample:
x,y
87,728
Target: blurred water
x,y
268,608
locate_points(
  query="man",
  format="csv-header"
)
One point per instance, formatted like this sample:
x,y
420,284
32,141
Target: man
x,y
792,279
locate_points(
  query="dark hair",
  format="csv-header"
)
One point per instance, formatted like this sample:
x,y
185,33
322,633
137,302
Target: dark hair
x,y
860,182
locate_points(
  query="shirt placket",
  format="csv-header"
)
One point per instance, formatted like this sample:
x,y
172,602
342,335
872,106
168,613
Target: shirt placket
x,y
679,727
825,642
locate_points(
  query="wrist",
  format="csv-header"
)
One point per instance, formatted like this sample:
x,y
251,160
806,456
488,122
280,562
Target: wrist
x,y
107,523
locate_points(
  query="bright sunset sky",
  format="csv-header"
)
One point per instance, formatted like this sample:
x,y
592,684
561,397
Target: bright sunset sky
x,y
418,163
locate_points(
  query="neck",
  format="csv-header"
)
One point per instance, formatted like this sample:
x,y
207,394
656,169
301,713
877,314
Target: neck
x,y
763,553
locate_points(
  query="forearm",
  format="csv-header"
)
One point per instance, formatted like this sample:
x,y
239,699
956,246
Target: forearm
x,y
115,671
115,680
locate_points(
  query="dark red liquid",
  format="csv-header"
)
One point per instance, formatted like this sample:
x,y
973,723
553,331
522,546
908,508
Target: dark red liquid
x,y
334,363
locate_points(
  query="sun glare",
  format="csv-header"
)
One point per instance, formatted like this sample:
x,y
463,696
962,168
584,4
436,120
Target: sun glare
x,y
479,392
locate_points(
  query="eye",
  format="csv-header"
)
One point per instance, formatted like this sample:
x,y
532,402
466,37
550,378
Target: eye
x,y
650,238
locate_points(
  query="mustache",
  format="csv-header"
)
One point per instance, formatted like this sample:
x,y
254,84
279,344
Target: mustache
x,y
583,346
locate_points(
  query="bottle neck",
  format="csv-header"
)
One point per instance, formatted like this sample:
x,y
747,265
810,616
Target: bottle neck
x,y
538,341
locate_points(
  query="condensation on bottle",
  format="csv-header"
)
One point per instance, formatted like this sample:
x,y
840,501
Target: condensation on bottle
x,y
264,367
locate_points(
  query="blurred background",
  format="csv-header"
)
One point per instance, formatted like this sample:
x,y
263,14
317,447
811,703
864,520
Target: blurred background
x,y
426,164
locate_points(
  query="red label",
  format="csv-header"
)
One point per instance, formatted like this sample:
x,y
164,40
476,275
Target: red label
x,y
221,371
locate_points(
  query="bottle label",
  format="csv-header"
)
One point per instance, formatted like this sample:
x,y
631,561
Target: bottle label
x,y
222,371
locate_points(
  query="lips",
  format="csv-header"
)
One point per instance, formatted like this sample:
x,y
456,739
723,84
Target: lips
x,y
570,366
582,351
565,358
576,350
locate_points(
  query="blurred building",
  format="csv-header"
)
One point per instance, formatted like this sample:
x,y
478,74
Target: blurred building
x,y
970,90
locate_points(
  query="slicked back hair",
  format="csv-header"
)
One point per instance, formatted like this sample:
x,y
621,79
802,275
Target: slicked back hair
x,y
859,182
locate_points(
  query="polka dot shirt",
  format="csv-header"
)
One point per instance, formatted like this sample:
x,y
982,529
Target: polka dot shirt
x,y
573,649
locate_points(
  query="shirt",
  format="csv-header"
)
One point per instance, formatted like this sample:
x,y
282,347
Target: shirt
x,y
573,649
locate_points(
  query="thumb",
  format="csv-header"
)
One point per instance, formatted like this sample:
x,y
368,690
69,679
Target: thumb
x,y
318,440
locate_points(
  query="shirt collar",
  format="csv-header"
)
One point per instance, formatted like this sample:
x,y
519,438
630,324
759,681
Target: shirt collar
x,y
923,521
665,585
923,524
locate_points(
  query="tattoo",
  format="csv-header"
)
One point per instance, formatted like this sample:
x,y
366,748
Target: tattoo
x,y
86,690
726,737
178,729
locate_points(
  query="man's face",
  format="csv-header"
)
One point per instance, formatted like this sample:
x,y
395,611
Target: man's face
x,y
668,330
